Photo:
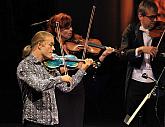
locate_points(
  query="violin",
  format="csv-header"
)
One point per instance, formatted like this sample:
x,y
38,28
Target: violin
x,y
94,46
158,30
78,46
71,61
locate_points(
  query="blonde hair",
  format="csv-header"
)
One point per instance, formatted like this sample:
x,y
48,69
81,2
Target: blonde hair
x,y
38,37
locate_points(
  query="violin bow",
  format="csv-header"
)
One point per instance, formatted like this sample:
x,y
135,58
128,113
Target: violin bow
x,y
161,38
61,46
89,28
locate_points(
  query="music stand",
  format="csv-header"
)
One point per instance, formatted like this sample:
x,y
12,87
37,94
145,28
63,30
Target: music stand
x,y
128,118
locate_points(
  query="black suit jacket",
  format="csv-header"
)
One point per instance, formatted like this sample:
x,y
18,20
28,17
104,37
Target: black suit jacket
x,y
132,38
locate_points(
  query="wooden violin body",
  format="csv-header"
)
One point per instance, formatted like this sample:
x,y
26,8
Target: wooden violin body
x,y
77,44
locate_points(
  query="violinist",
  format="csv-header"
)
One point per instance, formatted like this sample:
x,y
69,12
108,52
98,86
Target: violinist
x,y
37,85
71,106
143,52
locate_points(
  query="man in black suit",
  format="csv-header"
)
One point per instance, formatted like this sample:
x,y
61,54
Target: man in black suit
x,y
144,57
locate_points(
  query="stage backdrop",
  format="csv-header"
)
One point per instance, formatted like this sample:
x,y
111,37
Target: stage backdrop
x,y
110,18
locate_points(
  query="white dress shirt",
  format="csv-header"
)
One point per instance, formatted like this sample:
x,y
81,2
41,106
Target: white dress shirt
x,y
146,66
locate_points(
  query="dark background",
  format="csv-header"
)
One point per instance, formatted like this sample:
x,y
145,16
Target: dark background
x,y
106,99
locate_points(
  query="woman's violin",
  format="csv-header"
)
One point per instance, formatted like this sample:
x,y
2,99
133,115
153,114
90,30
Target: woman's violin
x,y
94,46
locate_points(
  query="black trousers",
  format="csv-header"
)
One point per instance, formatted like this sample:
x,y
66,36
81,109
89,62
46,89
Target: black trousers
x,y
147,115
32,124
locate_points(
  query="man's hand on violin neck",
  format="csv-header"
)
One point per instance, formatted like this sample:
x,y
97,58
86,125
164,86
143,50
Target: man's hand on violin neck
x,y
87,63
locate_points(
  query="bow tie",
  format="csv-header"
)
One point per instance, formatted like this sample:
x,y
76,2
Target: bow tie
x,y
144,30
